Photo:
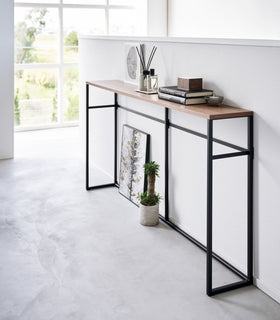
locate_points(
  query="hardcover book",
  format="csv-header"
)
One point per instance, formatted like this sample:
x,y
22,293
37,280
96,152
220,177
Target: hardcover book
x,y
185,93
182,100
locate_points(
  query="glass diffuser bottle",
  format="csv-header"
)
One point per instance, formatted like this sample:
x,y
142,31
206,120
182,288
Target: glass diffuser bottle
x,y
152,82
143,80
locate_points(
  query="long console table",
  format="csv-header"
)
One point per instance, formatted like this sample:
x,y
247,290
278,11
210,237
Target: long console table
x,y
210,114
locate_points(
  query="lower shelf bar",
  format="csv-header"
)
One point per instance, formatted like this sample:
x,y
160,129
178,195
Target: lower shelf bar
x,y
203,247
230,145
102,186
204,136
196,133
230,155
101,107
141,114
232,286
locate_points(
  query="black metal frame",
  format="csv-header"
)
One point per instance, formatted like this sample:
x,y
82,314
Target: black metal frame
x,y
246,279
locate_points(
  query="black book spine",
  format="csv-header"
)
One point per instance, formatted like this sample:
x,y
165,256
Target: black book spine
x,y
173,92
171,98
185,101
186,94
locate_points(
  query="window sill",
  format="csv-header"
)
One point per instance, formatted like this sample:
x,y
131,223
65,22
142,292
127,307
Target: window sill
x,y
207,41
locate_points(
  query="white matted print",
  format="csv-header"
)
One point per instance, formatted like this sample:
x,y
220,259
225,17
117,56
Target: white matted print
x,y
131,63
134,154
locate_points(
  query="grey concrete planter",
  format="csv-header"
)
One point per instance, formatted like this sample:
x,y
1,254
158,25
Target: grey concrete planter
x,y
149,215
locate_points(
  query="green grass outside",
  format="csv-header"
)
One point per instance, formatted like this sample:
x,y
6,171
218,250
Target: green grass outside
x,y
42,84
31,90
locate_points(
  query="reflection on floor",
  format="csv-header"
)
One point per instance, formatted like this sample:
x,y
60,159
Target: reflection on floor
x,y
71,254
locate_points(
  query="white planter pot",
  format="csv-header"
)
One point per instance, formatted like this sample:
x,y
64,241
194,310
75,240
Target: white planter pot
x,y
149,215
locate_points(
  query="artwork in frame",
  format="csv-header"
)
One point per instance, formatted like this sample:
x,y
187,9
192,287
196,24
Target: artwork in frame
x,y
131,63
134,154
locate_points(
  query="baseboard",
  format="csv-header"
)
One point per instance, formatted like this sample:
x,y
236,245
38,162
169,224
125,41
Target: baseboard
x,y
267,289
7,157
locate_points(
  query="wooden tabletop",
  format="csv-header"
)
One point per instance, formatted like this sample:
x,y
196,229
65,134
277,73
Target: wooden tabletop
x,y
201,110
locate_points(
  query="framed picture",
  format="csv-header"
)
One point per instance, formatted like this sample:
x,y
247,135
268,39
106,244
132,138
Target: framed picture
x,y
134,154
131,63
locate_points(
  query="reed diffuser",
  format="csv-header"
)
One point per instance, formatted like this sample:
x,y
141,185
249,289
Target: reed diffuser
x,y
148,81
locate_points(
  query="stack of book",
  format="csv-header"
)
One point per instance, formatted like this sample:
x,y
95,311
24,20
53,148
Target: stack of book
x,y
187,97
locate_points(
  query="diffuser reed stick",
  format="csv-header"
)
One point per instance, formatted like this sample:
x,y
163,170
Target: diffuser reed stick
x,y
151,57
142,57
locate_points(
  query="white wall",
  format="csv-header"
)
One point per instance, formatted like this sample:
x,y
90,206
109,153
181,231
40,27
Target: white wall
x,y
6,79
157,18
247,76
248,19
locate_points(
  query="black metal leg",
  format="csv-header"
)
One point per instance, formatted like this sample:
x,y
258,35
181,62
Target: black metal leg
x,y
250,159
209,206
87,137
248,279
88,107
166,163
116,138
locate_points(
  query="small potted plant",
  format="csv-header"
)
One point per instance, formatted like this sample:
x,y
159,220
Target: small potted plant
x,y
149,200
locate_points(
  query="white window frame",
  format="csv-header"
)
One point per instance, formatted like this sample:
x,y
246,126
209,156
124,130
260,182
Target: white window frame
x,y
60,65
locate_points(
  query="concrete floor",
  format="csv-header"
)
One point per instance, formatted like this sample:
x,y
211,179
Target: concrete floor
x,y
71,254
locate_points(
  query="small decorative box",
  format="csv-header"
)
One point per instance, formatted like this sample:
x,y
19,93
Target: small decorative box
x,y
190,84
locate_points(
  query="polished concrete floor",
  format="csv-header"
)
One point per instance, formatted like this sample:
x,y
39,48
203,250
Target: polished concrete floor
x,y
71,254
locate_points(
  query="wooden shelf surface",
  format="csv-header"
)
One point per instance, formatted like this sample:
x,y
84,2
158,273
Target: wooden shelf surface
x,y
202,110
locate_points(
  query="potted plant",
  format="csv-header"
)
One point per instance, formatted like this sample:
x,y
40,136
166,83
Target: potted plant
x,y
149,200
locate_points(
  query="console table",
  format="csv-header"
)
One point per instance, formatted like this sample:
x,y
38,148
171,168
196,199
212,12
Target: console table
x,y
211,114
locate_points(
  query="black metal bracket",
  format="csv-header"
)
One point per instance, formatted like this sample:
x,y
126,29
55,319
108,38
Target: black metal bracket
x,y
246,279
88,107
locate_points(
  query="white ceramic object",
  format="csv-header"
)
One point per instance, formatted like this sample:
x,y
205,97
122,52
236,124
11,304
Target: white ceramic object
x,y
149,215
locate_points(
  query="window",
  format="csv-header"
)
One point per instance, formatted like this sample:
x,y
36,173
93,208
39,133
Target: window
x,y
46,53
